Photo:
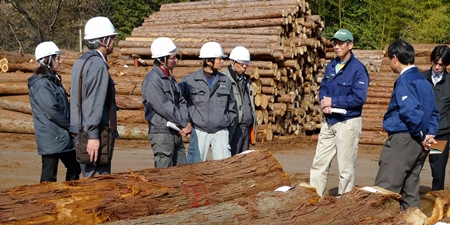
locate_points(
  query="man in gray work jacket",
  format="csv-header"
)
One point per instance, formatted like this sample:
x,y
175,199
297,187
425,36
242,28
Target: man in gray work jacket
x,y
164,104
97,83
243,94
211,106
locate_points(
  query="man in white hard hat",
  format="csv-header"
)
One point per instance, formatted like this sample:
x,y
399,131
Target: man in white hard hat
x,y
243,129
97,93
165,105
211,106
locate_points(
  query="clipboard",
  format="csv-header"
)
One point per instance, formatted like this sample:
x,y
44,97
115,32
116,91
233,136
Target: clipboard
x,y
439,147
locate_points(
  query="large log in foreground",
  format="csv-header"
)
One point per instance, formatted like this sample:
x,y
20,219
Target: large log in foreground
x,y
142,193
300,205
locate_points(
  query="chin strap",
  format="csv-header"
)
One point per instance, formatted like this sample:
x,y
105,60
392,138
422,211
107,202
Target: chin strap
x,y
48,65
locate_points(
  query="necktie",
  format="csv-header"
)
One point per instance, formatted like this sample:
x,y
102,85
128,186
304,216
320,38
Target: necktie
x,y
435,79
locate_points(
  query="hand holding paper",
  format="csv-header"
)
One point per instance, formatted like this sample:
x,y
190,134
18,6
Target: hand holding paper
x,y
173,126
339,110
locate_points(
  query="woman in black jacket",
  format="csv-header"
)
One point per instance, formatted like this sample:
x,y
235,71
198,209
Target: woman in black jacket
x,y
51,115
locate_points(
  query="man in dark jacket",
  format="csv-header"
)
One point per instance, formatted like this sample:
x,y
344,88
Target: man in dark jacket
x,y
437,75
165,108
243,94
342,94
211,106
98,91
411,122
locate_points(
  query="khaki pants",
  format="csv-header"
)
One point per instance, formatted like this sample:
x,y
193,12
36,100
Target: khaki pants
x,y
199,144
342,139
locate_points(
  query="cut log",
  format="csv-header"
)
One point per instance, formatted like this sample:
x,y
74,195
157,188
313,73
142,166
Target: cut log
x,y
355,207
19,103
141,193
436,205
240,211
129,102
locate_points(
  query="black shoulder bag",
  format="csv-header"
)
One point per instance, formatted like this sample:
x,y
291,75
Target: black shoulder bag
x,y
106,135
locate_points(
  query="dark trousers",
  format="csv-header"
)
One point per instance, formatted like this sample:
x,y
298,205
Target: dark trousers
x,y
50,166
168,150
241,139
400,162
438,164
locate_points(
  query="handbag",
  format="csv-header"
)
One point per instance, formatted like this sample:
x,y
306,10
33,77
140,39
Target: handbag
x,y
105,151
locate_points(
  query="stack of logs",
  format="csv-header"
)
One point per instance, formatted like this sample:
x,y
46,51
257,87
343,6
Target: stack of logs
x,y
236,190
284,40
15,111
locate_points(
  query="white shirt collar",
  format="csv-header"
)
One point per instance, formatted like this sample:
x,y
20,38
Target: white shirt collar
x,y
434,74
407,68
101,54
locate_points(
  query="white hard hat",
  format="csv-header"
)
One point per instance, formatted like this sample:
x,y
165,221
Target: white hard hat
x,y
45,49
163,46
98,27
240,54
211,50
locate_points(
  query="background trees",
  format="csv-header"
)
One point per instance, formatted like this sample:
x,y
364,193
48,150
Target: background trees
x,y
375,23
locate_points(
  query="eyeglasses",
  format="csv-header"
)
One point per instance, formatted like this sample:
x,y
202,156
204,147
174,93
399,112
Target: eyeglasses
x,y
174,57
241,63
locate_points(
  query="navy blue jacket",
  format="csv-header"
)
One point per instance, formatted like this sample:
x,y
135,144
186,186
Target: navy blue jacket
x,y
51,117
412,108
347,88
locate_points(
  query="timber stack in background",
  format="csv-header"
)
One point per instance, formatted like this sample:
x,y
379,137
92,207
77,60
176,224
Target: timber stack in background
x,y
284,40
288,51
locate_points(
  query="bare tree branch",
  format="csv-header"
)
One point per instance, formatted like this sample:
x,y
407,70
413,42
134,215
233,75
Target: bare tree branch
x,y
17,6
15,37
58,8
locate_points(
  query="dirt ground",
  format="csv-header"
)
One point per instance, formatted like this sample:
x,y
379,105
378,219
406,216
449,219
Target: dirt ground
x,y
20,164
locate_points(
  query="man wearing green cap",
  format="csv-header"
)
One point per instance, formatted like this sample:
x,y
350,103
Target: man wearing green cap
x,y
342,94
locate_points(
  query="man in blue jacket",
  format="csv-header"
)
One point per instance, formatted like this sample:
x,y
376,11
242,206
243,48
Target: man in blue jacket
x,y
342,94
411,122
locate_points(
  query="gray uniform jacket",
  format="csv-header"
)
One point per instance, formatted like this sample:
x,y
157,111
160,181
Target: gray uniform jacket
x,y
50,108
163,102
210,110
238,97
96,84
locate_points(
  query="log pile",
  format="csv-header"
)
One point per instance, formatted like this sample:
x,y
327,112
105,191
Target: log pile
x,y
239,189
301,205
284,40
141,193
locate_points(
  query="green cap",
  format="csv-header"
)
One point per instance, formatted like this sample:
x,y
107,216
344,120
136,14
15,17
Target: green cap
x,y
343,35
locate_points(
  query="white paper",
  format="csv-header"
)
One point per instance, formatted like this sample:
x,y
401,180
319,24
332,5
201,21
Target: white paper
x,y
246,151
172,126
284,188
370,189
338,110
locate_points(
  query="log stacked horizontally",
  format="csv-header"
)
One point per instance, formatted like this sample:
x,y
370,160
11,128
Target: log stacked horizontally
x,y
284,40
142,193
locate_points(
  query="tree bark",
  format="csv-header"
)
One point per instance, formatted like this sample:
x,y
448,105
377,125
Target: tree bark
x,y
141,193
